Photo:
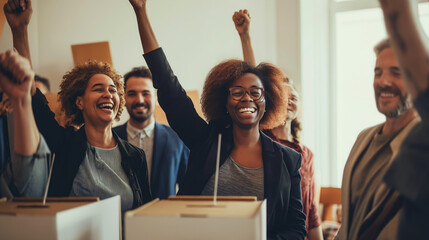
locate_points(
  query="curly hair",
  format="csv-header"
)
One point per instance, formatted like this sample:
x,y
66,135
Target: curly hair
x,y
76,81
219,79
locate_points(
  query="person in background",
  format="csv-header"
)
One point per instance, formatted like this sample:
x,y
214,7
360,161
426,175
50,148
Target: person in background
x,y
237,100
409,173
42,84
92,161
368,205
287,133
166,154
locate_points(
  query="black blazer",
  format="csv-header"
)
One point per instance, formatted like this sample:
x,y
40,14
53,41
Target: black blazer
x,y
285,219
70,147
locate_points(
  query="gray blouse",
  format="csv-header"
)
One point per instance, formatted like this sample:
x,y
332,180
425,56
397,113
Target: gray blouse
x,y
237,180
101,174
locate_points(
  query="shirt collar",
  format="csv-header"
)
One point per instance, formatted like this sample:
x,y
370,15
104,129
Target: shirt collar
x,y
133,132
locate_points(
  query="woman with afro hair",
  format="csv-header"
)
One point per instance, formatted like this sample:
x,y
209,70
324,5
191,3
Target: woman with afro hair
x,y
238,101
287,133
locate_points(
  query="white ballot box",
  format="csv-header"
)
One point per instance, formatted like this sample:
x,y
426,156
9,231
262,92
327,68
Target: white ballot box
x,y
196,217
61,218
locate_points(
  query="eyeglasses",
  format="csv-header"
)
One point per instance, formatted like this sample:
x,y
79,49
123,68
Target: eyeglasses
x,y
237,93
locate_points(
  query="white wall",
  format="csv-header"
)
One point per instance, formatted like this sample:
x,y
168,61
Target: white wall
x,y
195,34
288,39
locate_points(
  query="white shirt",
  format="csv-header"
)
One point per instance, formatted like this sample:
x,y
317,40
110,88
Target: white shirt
x,y
143,138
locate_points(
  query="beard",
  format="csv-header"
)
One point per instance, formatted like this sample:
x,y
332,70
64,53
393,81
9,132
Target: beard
x,y
404,105
139,117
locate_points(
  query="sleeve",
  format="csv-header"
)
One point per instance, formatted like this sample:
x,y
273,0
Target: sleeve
x,y
183,164
422,106
46,123
293,226
313,216
408,172
178,107
30,173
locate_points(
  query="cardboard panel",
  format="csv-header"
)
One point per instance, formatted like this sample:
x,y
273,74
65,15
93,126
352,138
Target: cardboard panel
x,y
197,218
61,218
99,51
2,17
193,94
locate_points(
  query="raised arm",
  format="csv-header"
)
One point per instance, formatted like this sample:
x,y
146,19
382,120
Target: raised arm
x,y
409,42
18,14
242,24
29,161
147,36
184,119
16,78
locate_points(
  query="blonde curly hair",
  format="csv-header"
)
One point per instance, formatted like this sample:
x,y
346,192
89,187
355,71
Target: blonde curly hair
x,y
76,81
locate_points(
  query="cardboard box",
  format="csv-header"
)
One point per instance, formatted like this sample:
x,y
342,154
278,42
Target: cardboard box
x,y
195,217
63,218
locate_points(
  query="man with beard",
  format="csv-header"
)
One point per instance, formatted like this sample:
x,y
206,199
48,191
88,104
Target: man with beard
x,y
166,154
369,206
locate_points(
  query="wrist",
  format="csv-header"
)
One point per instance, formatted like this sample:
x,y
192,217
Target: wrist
x,y
245,36
139,8
21,103
19,30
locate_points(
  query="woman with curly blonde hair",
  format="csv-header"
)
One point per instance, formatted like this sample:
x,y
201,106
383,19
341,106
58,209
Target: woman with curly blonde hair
x,y
92,161
238,100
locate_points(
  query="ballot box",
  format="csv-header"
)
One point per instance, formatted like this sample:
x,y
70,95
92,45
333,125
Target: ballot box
x,y
60,218
196,217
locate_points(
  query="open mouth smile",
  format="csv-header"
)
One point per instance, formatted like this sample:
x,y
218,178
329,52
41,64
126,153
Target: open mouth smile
x,y
246,110
106,106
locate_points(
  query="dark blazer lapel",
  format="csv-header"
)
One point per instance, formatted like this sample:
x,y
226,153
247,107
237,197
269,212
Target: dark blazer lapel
x,y
67,163
159,142
122,131
273,159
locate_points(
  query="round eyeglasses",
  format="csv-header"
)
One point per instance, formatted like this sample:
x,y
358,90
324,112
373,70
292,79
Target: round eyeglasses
x,y
237,93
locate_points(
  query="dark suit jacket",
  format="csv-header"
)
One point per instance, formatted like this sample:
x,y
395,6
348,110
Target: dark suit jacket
x,y
169,159
70,148
285,219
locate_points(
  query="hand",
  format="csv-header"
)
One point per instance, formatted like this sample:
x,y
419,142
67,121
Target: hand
x,y
138,4
16,76
18,13
242,21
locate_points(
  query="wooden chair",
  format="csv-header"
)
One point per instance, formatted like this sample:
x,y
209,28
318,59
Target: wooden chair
x,y
329,198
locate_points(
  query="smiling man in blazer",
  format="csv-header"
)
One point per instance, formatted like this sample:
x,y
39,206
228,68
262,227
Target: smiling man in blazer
x,y
166,154
369,206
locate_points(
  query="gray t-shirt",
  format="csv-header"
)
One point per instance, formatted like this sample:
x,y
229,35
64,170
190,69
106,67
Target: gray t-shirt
x,y
101,174
237,180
